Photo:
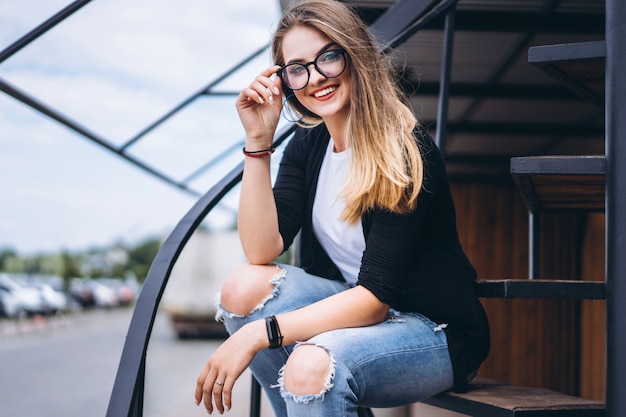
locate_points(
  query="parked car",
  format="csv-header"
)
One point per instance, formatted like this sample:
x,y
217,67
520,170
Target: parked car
x,y
103,296
125,291
18,300
53,301
81,292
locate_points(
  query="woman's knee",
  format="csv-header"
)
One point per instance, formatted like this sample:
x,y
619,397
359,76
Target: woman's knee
x,y
308,371
246,287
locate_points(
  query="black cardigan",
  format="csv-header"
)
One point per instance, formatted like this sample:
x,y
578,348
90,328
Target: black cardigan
x,y
412,262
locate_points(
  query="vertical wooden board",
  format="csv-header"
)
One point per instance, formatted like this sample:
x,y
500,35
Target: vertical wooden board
x,y
534,342
593,314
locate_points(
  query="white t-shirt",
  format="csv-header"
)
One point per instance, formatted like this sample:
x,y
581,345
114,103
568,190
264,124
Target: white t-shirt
x,y
344,243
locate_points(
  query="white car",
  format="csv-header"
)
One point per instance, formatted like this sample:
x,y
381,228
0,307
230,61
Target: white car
x,y
104,297
53,301
18,300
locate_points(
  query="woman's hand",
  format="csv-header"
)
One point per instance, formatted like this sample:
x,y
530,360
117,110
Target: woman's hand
x,y
227,363
259,106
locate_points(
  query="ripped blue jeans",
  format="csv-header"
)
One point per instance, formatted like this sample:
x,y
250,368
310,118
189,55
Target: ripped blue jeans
x,y
400,361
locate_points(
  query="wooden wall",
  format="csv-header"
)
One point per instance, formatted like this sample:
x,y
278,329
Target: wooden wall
x,y
555,344
593,313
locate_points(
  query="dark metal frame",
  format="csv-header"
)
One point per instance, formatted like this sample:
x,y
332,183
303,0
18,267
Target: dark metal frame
x,y
434,20
522,169
41,29
127,395
120,151
591,51
616,206
124,398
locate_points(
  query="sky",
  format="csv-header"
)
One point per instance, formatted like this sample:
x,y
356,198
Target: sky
x,y
115,67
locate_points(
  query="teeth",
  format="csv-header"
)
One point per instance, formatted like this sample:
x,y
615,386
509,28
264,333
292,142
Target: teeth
x,y
325,91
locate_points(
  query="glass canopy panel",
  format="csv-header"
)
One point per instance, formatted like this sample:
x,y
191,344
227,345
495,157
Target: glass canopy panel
x,y
117,66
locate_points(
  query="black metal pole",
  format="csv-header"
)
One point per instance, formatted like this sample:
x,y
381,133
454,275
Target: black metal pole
x,y
41,107
444,83
127,394
616,207
214,161
206,90
534,233
136,409
255,398
41,29
413,10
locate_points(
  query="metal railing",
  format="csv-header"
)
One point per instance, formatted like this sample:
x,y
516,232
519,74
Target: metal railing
x,y
127,395
400,21
82,131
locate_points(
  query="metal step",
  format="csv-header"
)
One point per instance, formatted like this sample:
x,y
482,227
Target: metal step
x,y
551,183
487,398
541,289
579,65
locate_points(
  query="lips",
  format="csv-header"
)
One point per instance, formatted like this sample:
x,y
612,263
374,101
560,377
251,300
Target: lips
x,y
324,92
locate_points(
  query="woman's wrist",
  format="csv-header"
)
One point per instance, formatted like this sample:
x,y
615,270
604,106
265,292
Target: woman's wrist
x,y
258,333
258,143
257,147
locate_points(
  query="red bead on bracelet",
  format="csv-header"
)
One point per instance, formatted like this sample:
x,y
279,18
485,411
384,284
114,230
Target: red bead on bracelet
x,y
258,154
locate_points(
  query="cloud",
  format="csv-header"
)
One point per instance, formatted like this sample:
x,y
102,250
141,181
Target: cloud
x,y
115,67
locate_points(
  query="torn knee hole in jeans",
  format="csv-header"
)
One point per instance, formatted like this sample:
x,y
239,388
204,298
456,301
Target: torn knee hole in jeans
x,y
275,280
306,398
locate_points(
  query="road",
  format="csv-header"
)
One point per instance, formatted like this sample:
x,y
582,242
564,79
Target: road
x,y
65,367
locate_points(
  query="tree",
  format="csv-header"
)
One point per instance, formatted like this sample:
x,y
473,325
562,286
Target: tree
x,y
141,256
70,266
6,253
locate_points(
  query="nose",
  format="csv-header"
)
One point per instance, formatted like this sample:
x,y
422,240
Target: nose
x,y
315,76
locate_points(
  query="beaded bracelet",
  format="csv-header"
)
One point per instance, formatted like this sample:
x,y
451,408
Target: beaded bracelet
x,y
258,154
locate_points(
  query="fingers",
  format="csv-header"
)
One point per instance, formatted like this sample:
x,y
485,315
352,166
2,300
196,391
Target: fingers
x,y
227,393
199,394
222,394
208,388
214,390
208,395
263,88
200,384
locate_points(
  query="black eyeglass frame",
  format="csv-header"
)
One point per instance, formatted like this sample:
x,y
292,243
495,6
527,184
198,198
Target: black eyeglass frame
x,y
341,51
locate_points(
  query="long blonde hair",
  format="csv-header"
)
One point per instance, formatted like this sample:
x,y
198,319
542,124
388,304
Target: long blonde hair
x,y
386,171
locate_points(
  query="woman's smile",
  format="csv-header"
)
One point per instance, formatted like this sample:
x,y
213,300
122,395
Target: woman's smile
x,y
325,93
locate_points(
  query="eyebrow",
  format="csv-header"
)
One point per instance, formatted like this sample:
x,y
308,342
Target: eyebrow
x,y
322,50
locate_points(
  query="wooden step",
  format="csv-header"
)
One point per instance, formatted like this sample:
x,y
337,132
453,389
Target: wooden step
x,y
579,65
550,183
487,398
541,288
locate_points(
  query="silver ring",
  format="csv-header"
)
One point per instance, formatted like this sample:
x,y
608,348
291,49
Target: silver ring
x,y
221,384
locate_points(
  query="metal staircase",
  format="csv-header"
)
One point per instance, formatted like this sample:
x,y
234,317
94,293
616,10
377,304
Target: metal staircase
x,y
474,108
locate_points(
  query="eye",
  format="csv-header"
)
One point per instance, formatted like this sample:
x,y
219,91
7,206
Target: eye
x,y
295,70
330,56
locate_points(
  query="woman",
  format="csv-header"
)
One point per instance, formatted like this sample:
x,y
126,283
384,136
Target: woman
x,y
382,311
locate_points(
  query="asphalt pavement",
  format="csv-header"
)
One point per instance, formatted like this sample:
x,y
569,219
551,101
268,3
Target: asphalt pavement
x,y
65,366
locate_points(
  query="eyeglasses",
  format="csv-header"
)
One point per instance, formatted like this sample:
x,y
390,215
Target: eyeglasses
x,y
331,64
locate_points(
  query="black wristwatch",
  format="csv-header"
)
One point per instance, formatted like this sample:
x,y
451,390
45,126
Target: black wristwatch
x,y
273,332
